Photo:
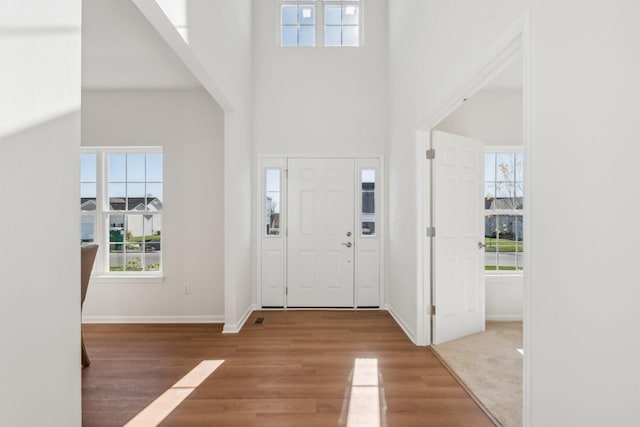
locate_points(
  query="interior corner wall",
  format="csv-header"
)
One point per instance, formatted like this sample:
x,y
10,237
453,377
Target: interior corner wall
x,y
189,126
583,297
40,258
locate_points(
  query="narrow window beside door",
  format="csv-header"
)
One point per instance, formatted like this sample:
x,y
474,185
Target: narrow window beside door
x,y
368,186
272,202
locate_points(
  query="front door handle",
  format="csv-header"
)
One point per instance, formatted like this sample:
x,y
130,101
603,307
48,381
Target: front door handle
x,y
481,245
348,244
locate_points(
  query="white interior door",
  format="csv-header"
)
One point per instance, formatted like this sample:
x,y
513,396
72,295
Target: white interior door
x,y
320,240
458,173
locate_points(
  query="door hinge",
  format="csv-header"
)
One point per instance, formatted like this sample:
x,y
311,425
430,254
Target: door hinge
x,y
286,173
431,231
431,310
286,291
431,154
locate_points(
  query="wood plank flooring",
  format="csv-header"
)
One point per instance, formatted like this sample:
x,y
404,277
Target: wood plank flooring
x,y
295,369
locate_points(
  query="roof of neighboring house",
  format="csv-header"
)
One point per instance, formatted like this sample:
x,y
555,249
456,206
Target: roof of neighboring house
x,y
119,204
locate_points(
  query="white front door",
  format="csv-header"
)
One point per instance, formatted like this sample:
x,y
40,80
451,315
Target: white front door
x,y
320,256
458,205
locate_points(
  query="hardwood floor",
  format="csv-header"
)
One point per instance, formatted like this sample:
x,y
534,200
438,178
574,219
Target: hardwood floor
x,y
295,369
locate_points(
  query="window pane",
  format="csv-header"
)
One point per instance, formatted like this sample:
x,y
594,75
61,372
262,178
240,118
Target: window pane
x,y
333,15
504,195
350,36
489,195
490,167
289,36
116,257
307,36
135,167
117,167
154,197
154,167
332,36
88,190
87,168
87,228
349,15
117,194
306,15
368,214
272,202
504,167
519,167
136,190
289,15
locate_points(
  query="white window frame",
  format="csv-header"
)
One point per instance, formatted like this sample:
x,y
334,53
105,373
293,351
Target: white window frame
x,y
320,6
101,271
512,212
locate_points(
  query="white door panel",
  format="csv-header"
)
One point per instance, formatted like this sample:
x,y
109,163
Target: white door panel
x,y
320,266
458,219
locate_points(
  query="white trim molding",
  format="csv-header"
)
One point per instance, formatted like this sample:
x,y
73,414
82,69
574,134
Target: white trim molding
x,y
236,327
403,325
154,319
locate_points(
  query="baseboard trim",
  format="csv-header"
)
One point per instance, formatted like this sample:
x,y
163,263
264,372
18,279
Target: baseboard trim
x,y
154,319
504,318
464,386
236,327
407,330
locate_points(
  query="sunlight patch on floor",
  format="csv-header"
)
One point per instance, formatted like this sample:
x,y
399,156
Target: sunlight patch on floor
x,y
364,401
160,408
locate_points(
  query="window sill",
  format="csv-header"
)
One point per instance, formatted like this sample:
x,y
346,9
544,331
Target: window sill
x,y
117,278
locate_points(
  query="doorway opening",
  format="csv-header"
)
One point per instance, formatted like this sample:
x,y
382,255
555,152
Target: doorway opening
x,y
505,296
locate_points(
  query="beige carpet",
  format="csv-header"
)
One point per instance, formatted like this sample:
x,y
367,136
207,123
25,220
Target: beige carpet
x,y
490,364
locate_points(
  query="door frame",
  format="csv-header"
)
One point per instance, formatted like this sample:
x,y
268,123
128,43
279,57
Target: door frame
x,y
516,44
380,214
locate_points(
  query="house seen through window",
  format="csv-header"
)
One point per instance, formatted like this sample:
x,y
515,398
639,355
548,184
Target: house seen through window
x,y
503,219
121,203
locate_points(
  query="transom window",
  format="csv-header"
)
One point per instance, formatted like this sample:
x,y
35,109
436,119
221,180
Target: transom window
x,y
503,204
121,203
339,22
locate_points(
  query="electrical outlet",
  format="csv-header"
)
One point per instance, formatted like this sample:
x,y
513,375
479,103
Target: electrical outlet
x,y
186,288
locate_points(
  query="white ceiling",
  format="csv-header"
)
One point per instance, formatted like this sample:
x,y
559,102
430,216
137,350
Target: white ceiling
x,y
121,50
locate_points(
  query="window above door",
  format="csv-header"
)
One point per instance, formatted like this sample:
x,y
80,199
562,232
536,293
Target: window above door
x,y
336,23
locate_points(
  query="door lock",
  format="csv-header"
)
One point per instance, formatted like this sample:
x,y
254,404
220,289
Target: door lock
x,y
348,244
348,234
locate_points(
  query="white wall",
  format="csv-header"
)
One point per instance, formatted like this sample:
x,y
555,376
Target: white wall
x,y
189,126
495,117
220,34
40,259
220,42
583,298
320,100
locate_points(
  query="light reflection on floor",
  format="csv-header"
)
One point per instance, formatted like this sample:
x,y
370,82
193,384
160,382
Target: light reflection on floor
x,y
364,399
158,410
